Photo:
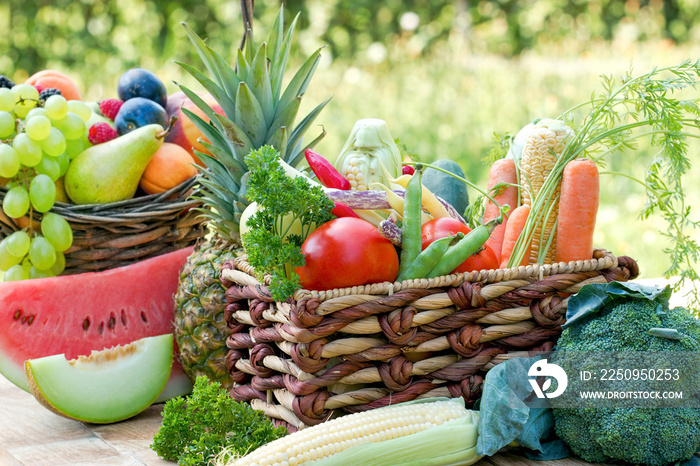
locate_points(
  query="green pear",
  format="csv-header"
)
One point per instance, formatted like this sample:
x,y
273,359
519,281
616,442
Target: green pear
x,y
111,171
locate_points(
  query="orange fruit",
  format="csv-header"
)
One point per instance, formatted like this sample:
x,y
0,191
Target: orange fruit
x,y
58,80
170,166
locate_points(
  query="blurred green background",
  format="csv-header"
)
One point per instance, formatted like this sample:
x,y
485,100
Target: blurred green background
x,y
445,76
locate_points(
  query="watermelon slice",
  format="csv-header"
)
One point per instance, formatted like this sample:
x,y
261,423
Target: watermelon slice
x,y
75,314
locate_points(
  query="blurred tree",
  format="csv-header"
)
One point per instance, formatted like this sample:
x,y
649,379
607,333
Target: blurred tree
x,y
90,37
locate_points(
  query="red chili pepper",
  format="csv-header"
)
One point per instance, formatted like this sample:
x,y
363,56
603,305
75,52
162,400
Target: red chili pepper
x,y
342,210
408,170
326,172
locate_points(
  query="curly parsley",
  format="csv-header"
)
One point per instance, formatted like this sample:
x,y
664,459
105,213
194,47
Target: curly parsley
x,y
198,428
287,202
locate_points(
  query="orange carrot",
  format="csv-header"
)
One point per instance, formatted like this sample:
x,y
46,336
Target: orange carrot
x,y
515,226
502,171
578,206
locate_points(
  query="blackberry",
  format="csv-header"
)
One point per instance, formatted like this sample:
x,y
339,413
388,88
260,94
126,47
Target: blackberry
x,y
6,82
48,92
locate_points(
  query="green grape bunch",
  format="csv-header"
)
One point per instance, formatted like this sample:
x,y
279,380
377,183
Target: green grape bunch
x,y
38,138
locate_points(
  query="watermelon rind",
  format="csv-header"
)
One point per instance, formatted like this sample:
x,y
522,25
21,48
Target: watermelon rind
x,y
81,313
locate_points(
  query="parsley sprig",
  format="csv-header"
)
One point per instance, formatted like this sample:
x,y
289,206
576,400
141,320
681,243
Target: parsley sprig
x,y
197,428
272,246
628,110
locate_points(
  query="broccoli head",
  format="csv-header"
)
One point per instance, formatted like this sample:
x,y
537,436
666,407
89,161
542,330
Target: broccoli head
x,y
643,325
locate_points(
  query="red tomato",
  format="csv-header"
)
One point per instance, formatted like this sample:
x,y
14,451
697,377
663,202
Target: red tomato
x,y
484,259
442,227
345,252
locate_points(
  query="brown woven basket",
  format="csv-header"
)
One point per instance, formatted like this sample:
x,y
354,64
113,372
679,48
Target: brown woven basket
x,y
111,235
360,348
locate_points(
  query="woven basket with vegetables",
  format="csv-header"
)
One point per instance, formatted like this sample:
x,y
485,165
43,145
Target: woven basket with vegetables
x,y
356,286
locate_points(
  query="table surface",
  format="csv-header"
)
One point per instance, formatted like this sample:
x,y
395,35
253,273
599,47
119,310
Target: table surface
x,y
31,435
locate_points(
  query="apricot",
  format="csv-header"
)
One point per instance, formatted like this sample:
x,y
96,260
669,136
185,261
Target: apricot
x,y
170,166
184,132
56,79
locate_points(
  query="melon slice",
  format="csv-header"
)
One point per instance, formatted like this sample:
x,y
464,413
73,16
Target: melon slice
x,y
76,314
108,386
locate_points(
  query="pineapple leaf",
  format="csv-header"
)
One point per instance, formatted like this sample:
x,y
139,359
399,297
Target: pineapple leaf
x,y
278,141
304,125
231,80
285,118
298,155
249,45
209,132
279,60
217,154
227,158
197,100
212,198
222,186
205,53
239,142
226,102
250,115
242,65
297,86
259,82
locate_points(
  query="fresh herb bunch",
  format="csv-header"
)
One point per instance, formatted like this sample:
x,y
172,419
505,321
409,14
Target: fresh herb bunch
x,y
271,246
198,428
627,110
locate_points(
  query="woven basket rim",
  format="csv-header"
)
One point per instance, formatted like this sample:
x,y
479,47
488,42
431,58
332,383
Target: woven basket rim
x,y
144,207
602,259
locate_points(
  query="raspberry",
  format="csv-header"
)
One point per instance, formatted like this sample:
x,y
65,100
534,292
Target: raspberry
x,y
48,92
110,107
39,88
101,132
6,82
408,170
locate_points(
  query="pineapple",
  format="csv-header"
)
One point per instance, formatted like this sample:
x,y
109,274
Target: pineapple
x,y
258,112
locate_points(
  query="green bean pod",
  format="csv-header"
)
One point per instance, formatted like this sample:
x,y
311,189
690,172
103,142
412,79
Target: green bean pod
x,y
430,256
461,251
411,230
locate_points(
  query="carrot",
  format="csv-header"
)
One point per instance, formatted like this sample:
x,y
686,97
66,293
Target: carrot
x,y
578,207
502,171
515,226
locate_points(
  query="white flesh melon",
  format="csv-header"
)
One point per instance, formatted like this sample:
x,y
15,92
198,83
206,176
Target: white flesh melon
x,y
108,386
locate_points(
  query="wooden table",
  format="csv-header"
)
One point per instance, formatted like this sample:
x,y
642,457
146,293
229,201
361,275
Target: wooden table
x,y
31,435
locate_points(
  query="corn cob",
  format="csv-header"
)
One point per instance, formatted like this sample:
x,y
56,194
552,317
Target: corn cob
x,y
544,144
368,153
434,431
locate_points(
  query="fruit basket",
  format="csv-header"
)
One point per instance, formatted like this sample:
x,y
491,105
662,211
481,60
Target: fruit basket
x,y
111,235
360,348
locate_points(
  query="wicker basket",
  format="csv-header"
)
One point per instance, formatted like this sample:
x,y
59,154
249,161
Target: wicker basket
x,y
364,347
111,235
